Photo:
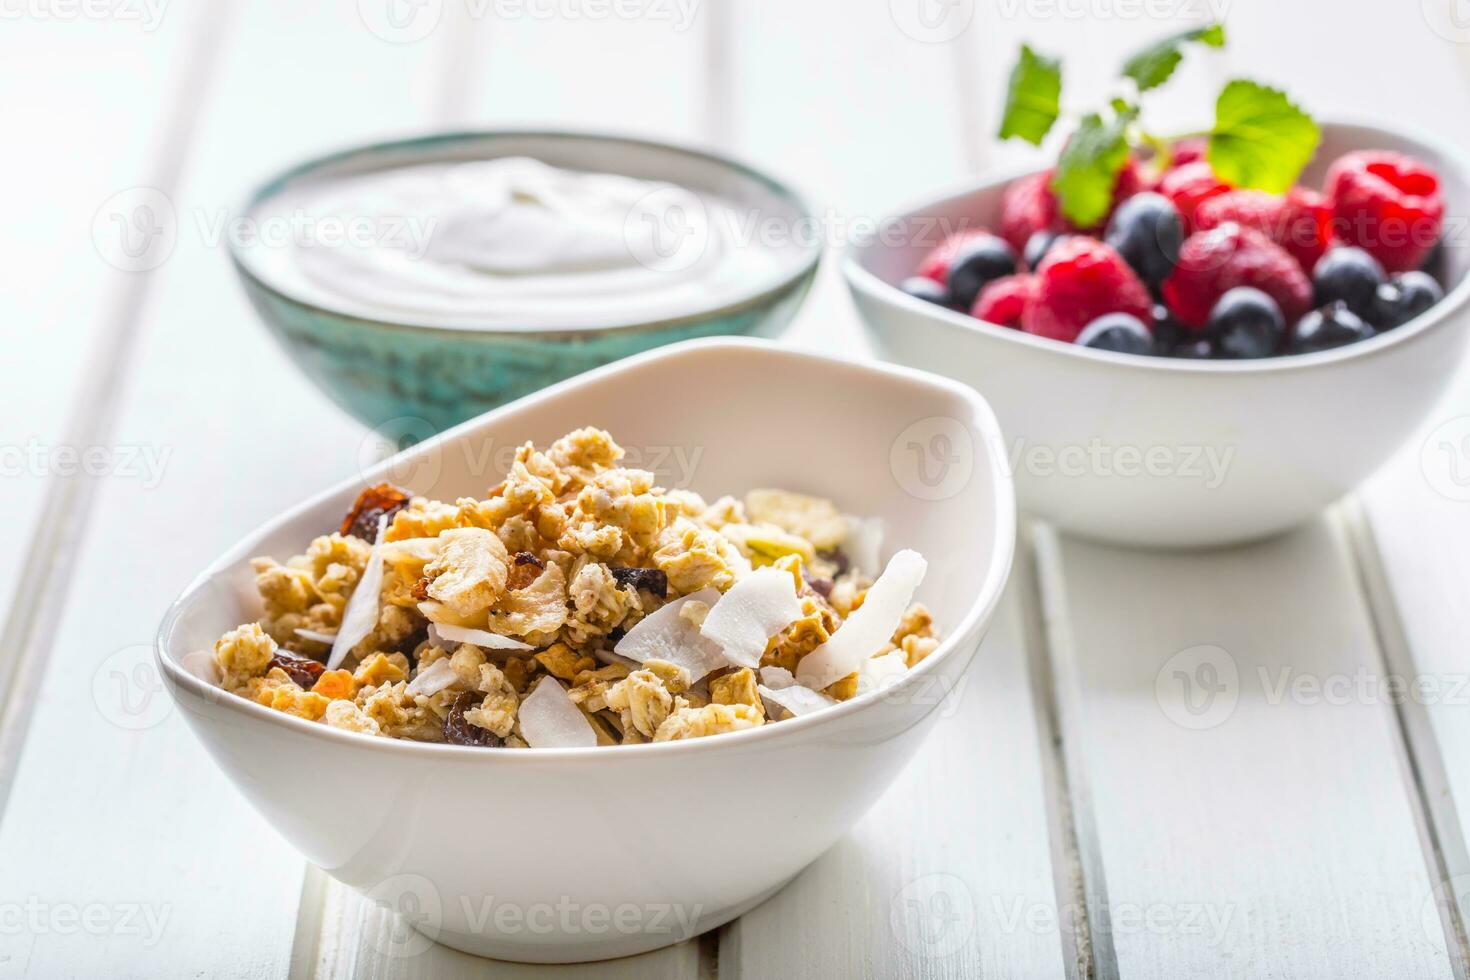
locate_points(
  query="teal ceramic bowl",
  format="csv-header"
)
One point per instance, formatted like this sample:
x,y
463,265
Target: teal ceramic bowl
x,y
394,370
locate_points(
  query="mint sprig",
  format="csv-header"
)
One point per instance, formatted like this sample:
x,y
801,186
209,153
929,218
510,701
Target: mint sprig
x,y
1152,66
1033,98
1260,140
1088,167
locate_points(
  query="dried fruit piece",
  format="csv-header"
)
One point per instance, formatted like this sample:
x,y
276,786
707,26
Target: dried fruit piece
x,y
383,500
303,670
655,580
458,731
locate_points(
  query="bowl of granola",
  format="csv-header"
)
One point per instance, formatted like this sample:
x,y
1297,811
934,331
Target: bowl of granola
x,y
604,668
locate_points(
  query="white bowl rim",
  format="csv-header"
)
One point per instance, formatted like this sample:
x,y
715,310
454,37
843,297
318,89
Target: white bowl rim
x,y
984,604
860,279
760,294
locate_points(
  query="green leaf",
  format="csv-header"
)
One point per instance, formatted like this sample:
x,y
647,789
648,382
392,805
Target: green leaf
x,y
1088,167
1033,100
1152,66
1260,140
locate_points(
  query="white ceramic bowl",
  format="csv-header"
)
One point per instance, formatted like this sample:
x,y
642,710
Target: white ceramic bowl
x,y
1176,453
487,848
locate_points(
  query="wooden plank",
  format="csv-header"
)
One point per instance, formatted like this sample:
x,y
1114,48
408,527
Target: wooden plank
x,y
1248,799
880,120
69,313
140,823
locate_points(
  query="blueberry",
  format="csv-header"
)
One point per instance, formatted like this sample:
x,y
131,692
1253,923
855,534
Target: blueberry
x,y
1147,231
979,263
1404,297
1349,274
1121,332
1194,350
1168,332
922,287
1245,323
1037,246
1334,325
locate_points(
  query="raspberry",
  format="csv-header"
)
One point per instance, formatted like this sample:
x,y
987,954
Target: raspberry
x,y
1187,151
1029,206
1079,280
1189,186
1215,261
936,264
1004,301
1298,222
1388,204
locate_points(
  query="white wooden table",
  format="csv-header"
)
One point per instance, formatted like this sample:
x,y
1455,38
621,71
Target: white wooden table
x,y
1074,819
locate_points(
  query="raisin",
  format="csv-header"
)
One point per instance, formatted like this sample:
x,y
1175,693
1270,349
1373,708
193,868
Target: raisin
x,y
374,503
458,731
616,634
655,580
420,590
525,570
837,558
821,586
303,670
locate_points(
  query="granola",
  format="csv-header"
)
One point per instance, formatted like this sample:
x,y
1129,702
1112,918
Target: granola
x,y
577,603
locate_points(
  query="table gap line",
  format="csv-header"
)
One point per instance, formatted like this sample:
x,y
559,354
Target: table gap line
x,y
1436,817
971,97
64,519
718,126
1077,862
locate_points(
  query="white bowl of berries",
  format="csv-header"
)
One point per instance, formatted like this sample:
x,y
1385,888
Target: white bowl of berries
x,y
1206,365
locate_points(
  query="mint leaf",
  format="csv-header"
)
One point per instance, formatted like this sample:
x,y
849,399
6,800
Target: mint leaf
x,y
1088,167
1033,99
1260,140
1152,66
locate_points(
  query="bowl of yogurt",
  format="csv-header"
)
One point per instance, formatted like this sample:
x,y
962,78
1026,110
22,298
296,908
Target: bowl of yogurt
x,y
437,278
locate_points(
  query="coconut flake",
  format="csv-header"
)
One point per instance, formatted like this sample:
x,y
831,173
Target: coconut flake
x,y
876,673
201,664
666,635
870,626
549,719
796,699
314,636
360,617
443,634
755,609
777,677
864,543
433,678
412,549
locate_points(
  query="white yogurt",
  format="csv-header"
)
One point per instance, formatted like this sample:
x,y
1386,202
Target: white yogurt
x,y
508,242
